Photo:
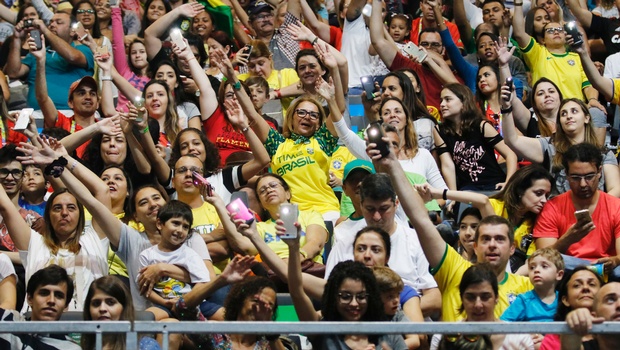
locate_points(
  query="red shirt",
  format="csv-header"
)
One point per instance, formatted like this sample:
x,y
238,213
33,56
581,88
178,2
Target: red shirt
x,y
335,39
11,136
69,124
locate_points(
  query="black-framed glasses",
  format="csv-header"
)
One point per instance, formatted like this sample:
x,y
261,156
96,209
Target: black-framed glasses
x,y
302,113
578,178
554,30
82,11
17,173
347,298
273,185
426,44
184,169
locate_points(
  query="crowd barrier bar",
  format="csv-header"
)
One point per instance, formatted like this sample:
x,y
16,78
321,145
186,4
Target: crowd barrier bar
x,y
306,328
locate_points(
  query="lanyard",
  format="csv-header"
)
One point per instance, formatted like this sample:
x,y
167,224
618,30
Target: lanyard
x,y
3,133
72,125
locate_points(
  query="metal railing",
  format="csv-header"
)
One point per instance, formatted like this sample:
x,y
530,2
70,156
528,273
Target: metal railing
x,y
306,328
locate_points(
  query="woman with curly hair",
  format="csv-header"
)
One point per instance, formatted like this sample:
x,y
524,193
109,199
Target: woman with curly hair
x,y
466,144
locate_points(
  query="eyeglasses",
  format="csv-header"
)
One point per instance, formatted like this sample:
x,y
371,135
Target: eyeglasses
x,y
82,11
426,44
452,338
17,173
302,113
578,178
554,30
347,298
263,17
272,185
184,169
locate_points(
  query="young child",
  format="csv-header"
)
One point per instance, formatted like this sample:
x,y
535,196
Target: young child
x,y
174,221
546,268
258,90
399,28
34,189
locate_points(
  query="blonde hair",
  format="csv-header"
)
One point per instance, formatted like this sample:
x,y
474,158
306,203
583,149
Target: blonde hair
x,y
550,254
287,127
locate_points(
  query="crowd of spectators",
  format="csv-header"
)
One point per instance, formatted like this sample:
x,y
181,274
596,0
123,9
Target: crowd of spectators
x,y
189,160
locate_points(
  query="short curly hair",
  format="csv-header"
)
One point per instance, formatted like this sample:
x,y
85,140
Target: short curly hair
x,y
241,291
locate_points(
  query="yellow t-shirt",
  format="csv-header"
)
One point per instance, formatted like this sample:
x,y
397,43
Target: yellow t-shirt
x,y
523,229
448,275
267,230
277,80
564,70
205,221
616,89
340,158
304,165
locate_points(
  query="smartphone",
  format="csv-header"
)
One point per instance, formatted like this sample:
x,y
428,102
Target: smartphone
x,y
139,103
376,134
78,27
103,51
28,23
510,84
182,76
200,180
288,214
367,10
583,215
414,51
23,119
248,50
177,38
368,84
240,210
572,30
36,35
242,195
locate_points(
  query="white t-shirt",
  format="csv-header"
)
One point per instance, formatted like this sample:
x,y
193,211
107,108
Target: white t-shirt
x,y
183,257
6,267
406,258
424,164
342,246
355,43
130,245
89,264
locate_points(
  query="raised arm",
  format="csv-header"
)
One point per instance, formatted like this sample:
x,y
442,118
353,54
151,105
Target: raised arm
x,y
433,245
158,164
107,126
118,41
462,22
440,68
153,34
303,304
72,55
259,125
107,100
386,50
518,26
14,67
50,114
44,12
582,14
18,229
604,85
318,27
8,15
520,113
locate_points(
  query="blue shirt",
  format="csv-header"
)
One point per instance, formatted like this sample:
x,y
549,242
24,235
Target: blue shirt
x,y
529,307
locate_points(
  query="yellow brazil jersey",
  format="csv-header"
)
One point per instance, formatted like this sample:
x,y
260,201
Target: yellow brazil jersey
x,y
448,275
340,158
304,164
564,70
205,221
520,231
616,91
267,231
277,80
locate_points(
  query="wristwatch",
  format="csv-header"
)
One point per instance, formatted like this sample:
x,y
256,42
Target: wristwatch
x,y
197,93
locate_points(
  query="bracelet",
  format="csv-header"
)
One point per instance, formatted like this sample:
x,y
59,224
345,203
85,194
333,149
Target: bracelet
x,y
73,165
237,85
316,38
105,78
56,168
445,194
592,98
506,110
278,94
245,129
145,130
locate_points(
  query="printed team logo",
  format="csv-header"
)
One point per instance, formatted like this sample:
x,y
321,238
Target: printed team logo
x,y
310,150
511,297
571,62
337,164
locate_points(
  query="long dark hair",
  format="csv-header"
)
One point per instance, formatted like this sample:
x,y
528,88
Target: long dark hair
x,y
145,21
115,288
471,117
410,98
96,31
543,126
356,271
563,310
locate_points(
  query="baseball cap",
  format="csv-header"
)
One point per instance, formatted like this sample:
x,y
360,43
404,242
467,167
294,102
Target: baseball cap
x,y
257,7
86,80
358,164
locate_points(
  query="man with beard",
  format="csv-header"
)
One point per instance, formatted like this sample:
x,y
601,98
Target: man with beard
x,y
591,237
64,60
